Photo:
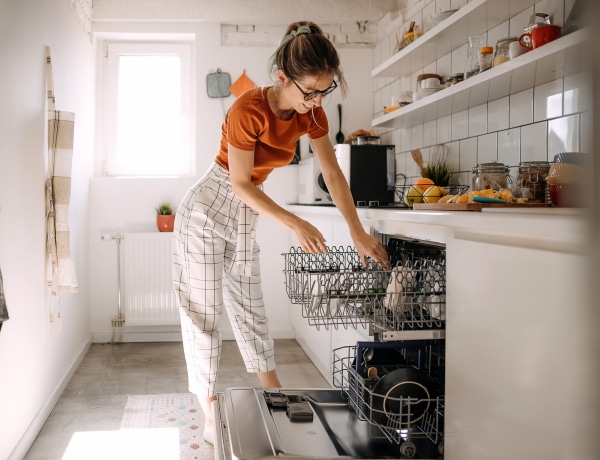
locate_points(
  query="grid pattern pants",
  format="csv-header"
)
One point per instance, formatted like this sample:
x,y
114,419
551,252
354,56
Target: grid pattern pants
x,y
204,243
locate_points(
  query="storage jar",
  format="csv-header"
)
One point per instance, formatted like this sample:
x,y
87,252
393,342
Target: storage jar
x,y
532,180
502,53
492,175
485,58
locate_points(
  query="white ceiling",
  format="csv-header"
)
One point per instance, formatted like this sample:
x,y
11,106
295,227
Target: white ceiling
x,y
267,12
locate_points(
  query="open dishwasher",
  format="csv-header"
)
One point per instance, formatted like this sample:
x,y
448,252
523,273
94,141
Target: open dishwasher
x,y
388,395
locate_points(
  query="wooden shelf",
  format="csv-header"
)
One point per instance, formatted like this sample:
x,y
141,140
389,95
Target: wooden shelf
x,y
475,18
557,59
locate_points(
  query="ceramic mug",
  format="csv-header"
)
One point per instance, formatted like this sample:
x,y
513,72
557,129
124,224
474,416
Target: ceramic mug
x,y
539,36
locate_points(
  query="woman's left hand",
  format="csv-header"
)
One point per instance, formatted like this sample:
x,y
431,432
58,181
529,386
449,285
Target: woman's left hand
x,y
366,245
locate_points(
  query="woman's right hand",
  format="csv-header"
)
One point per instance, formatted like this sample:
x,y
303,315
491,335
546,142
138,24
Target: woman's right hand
x,y
309,237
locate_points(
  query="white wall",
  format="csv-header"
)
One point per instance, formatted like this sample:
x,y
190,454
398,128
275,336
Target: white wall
x,y
36,359
126,205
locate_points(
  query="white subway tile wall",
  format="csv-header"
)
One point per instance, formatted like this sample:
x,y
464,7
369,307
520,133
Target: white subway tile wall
x,y
529,116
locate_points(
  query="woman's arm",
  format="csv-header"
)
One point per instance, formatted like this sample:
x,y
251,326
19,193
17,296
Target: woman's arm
x,y
342,197
241,162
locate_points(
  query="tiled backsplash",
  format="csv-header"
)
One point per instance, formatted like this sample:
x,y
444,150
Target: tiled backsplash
x,y
530,125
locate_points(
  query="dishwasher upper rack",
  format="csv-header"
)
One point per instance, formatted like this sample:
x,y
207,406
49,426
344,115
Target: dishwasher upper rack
x,y
335,289
402,427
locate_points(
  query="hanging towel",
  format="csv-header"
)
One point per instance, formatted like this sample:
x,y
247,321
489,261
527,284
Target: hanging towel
x,y
61,269
3,308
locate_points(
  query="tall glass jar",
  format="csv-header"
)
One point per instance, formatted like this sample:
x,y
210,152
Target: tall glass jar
x,y
532,180
492,175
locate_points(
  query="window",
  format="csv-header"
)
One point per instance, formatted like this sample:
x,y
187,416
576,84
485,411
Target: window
x,y
148,109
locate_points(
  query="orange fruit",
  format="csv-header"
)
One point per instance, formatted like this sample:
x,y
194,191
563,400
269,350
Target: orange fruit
x,y
423,183
506,195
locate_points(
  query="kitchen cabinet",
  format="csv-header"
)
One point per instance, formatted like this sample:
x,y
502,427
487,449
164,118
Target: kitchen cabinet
x,y
513,316
560,58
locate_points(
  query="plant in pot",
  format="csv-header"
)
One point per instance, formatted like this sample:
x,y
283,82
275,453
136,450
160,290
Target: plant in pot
x,y
165,217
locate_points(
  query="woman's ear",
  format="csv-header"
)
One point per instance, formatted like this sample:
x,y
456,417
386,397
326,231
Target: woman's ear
x,y
281,77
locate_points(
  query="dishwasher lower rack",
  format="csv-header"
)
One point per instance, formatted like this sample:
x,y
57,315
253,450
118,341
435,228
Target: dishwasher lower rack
x,y
334,289
407,412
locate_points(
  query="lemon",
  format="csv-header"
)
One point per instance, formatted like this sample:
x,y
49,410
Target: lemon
x,y
434,193
413,195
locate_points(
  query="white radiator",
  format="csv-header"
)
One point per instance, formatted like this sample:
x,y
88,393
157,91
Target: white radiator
x,y
147,291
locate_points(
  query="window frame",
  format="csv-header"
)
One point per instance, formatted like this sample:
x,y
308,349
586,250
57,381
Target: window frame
x,y
113,49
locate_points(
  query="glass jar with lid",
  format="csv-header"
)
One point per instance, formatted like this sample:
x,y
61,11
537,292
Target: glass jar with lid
x,y
501,54
492,175
532,180
485,58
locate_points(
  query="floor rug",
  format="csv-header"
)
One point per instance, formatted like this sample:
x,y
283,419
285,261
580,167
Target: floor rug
x,y
181,411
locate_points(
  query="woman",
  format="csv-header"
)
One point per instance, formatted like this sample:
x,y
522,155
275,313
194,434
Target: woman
x,y
215,223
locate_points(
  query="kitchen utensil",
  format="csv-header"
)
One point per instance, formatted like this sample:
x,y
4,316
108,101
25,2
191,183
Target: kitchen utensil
x,y
426,76
539,36
515,49
401,398
531,180
441,16
339,137
502,52
566,179
486,199
486,54
368,140
492,175
402,281
474,45
430,83
417,157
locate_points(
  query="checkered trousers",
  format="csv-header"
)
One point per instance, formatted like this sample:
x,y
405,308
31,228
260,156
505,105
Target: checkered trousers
x,y
209,225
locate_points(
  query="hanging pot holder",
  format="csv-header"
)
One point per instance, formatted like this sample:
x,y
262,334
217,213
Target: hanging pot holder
x,y
218,83
241,85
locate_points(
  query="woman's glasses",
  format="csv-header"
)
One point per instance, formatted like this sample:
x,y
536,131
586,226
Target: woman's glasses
x,y
313,94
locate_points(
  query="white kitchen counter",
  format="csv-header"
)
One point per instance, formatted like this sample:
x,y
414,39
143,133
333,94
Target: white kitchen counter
x,y
555,229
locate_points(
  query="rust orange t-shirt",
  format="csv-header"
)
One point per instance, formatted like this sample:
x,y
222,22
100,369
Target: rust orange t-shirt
x,y
251,125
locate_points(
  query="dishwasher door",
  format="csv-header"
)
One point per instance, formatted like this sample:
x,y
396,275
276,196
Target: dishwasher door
x,y
251,429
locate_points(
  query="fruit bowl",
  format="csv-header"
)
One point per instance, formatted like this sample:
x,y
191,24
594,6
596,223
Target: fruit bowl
x,y
409,193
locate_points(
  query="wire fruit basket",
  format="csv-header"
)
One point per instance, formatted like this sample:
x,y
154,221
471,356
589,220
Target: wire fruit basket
x,y
413,193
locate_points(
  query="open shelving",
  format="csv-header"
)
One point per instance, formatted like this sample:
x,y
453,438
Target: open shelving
x,y
562,57
475,18
557,59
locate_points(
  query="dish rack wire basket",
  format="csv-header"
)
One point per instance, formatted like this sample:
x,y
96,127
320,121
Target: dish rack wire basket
x,y
411,418
334,289
401,191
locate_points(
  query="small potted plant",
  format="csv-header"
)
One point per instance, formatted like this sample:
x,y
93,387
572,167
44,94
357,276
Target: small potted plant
x,y
165,217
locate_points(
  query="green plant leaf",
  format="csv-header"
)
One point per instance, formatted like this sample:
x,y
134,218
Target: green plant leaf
x,y
164,209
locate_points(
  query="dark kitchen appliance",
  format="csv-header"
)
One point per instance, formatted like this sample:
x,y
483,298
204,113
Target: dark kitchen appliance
x,y
370,171
388,395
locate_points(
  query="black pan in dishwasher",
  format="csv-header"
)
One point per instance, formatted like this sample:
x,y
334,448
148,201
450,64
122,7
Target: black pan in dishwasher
x,y
299,423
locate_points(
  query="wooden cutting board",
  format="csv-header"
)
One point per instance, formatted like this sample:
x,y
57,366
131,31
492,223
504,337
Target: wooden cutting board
x,y
473,206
